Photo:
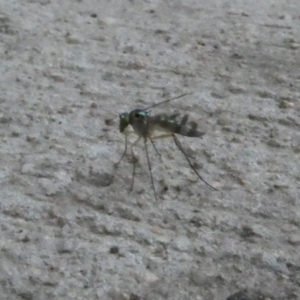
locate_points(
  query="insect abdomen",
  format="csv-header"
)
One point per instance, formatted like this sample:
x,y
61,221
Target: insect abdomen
x,y
175,124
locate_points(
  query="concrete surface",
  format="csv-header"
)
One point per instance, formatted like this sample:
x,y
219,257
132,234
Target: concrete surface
x,y
68,227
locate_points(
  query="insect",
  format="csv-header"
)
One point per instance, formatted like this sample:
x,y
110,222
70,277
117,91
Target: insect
x,y
145,125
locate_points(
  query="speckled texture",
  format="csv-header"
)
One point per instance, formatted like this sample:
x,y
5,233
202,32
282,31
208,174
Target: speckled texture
x,y
69,229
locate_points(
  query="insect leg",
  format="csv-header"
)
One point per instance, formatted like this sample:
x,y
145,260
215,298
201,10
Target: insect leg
x,y
154,147
125,150
149,166
162,136
178,144
134,163
167,135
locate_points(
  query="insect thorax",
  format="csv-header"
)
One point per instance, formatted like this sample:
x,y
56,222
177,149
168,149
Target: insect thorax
x,y
138,119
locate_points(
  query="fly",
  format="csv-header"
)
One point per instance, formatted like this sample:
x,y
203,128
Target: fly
x,y
145,125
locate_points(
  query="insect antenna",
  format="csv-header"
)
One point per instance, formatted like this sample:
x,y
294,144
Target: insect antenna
x,y
178,144
168,100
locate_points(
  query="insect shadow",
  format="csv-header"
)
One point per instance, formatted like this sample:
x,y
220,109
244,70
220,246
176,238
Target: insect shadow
x,y
145,126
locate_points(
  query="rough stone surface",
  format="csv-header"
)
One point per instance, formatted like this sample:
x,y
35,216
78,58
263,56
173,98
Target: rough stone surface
x,y
68,227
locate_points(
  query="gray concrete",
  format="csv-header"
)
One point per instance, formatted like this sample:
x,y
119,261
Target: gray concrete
x,y
69,229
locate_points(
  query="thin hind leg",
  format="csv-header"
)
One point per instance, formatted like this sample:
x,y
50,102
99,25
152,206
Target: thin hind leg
x,y
150,170
178,144
154,147
168,135
134,164
124,152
